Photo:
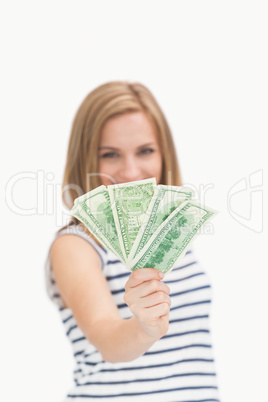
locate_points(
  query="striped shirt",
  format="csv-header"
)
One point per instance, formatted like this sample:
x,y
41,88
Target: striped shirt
x,y
179,367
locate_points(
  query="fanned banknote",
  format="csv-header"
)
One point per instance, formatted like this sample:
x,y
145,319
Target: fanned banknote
x,y
164,201
171,240
145,225
129,205
94,211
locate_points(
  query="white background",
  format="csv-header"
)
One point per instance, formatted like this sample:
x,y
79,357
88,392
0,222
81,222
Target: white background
x,y
206,63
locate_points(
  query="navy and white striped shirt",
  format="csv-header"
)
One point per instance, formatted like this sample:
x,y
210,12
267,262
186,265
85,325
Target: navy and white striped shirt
x,y
178,368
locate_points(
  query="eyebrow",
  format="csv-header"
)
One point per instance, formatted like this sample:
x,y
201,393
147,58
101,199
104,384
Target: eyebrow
x,y
117,149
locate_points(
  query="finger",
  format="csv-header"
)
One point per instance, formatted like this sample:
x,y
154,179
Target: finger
x,y
133,295
143,274
146,288
149,287
154,299
160,310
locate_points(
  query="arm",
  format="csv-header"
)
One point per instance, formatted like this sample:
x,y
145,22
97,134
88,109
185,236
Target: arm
x,y
84,290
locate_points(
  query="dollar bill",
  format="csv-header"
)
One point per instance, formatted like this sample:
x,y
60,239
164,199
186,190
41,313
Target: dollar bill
x,y
143,224
129,203
164,201
173,237
94,210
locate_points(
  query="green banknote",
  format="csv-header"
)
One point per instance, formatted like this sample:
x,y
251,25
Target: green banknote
x,y
173,236
145,225
164,201
129,202
94,211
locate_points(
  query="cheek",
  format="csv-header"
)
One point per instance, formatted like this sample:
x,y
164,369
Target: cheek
x,y
105,165
154,165
107,172
101,165
159,168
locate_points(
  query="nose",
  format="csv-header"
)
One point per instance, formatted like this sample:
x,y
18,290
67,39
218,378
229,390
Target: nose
x,y
130,170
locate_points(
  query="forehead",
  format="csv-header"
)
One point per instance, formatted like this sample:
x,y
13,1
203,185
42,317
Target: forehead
x,y
129,128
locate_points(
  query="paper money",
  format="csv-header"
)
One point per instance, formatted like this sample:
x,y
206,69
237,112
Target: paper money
x,y
170,241
143,224
164,201
129,205
94,211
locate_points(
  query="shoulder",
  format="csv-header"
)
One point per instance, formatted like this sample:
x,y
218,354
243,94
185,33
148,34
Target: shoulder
x,y
75,240
72,250
71,244
74,262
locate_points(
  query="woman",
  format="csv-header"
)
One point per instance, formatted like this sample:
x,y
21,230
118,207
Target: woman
x,y
134,335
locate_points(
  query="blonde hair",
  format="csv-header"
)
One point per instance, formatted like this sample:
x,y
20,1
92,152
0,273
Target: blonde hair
x,y
103,103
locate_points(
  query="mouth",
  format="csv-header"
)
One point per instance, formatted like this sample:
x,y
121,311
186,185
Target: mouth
x,y
127,181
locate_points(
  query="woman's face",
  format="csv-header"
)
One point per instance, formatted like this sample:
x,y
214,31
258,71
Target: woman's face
x,y
129,150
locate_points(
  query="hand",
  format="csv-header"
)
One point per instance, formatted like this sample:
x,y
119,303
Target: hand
x,y
148,299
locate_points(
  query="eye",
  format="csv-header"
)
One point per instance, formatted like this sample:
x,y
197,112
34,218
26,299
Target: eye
x,y
109,155
146,151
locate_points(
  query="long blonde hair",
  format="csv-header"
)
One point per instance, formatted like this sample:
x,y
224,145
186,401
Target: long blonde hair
x,y
104,102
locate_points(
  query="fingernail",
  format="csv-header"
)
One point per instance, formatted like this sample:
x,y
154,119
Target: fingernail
x,y
161,275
